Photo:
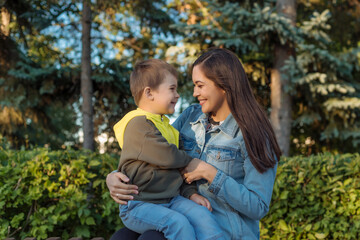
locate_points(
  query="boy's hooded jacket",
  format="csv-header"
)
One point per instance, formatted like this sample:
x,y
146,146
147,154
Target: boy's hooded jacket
x,y
150,156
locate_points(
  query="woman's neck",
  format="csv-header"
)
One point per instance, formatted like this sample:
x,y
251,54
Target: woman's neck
x,y
221,114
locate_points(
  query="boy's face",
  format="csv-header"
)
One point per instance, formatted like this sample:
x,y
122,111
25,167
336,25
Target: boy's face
x,y
166,96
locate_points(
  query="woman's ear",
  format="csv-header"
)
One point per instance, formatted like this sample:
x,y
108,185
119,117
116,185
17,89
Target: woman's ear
x,y
148,93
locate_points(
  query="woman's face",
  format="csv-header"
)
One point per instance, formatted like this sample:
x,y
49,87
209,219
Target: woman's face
x,y
211,98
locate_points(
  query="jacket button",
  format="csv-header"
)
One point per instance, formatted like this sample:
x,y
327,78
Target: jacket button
x,y
198,151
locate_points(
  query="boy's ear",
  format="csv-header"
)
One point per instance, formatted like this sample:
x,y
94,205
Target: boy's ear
x,y
148,93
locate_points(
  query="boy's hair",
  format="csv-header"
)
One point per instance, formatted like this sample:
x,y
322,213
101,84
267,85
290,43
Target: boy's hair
x,y
149,73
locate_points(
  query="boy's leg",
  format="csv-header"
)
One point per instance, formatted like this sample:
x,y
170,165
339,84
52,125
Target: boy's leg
x,y
141,217
200,217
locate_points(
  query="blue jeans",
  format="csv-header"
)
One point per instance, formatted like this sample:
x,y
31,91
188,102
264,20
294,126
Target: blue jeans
x,y
181,218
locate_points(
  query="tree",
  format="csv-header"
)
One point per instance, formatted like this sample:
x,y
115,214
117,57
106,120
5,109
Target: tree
x,y
280,98
86,83
5,21
36,94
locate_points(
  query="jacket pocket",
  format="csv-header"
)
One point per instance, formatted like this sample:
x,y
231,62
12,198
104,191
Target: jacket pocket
x,y
221,154
226,160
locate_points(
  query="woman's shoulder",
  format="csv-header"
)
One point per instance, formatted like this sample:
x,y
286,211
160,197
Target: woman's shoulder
x,y
193,109
190,114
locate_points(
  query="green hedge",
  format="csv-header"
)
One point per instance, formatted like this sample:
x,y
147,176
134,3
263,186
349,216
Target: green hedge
x,y
315,197
63,193
56,193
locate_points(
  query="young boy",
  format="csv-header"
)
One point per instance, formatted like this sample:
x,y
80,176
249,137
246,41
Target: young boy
x,y
151,159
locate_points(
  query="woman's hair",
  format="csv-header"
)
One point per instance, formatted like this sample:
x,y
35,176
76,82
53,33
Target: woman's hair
x,y
224,68
149,73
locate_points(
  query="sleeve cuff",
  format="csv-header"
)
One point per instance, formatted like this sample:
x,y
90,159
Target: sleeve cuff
x,y
218,181
189,193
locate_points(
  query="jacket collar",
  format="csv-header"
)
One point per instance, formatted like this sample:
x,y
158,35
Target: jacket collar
x,y
229,126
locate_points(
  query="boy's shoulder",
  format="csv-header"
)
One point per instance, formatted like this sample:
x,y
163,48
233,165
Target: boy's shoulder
x,y
140,122
132,125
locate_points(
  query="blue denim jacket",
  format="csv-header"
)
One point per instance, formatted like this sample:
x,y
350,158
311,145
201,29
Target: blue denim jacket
x,y
239,195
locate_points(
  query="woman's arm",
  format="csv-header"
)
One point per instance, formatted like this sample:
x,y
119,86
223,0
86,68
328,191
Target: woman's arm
x,y
251,198
120,191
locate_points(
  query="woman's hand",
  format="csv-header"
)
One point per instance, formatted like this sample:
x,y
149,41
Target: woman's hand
x,y
119,189
201,201
198,169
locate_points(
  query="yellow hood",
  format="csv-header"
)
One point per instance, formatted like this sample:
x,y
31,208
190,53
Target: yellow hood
x,y
160,121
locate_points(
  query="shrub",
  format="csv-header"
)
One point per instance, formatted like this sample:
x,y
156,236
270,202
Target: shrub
x,y
63,193
56,193
316,197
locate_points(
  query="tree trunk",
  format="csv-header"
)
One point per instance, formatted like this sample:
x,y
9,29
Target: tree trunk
x,y
281,100
5,21
86,84
4,35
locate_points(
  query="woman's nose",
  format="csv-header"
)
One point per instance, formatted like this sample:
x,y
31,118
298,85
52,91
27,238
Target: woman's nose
x,y
195,93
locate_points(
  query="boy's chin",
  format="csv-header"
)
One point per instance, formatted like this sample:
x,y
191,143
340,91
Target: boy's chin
x,y
170,112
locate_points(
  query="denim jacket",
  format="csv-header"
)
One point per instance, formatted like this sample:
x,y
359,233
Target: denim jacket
x,y
239,195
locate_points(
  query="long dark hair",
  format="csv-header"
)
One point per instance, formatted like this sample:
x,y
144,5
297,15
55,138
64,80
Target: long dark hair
x,y
225,69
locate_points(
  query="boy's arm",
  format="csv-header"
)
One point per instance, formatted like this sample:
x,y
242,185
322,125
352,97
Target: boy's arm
x,y
143,141
187,190
190,191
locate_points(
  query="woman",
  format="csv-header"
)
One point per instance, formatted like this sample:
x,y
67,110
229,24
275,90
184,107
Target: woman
x,y
233,138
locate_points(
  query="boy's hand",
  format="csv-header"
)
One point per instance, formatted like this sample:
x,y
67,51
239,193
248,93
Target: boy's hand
x,y
201,201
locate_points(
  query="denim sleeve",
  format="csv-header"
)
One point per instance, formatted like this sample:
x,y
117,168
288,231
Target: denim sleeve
x,y
252,197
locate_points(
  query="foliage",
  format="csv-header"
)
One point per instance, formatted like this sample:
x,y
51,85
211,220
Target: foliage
x,y
327,90
63,193
30,113
316,197
56,193
38,84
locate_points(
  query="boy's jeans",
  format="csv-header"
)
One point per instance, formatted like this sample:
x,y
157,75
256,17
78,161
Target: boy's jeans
x,y
180,219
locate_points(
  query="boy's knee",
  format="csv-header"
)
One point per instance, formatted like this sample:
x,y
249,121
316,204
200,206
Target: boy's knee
x,y
201,210
179,222
181,219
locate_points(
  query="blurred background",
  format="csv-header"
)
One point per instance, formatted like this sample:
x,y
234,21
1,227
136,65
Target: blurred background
x,y
65,65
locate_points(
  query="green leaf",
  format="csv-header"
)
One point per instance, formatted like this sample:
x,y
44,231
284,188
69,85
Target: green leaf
x,y
320,235
94,163
283,226
90,221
